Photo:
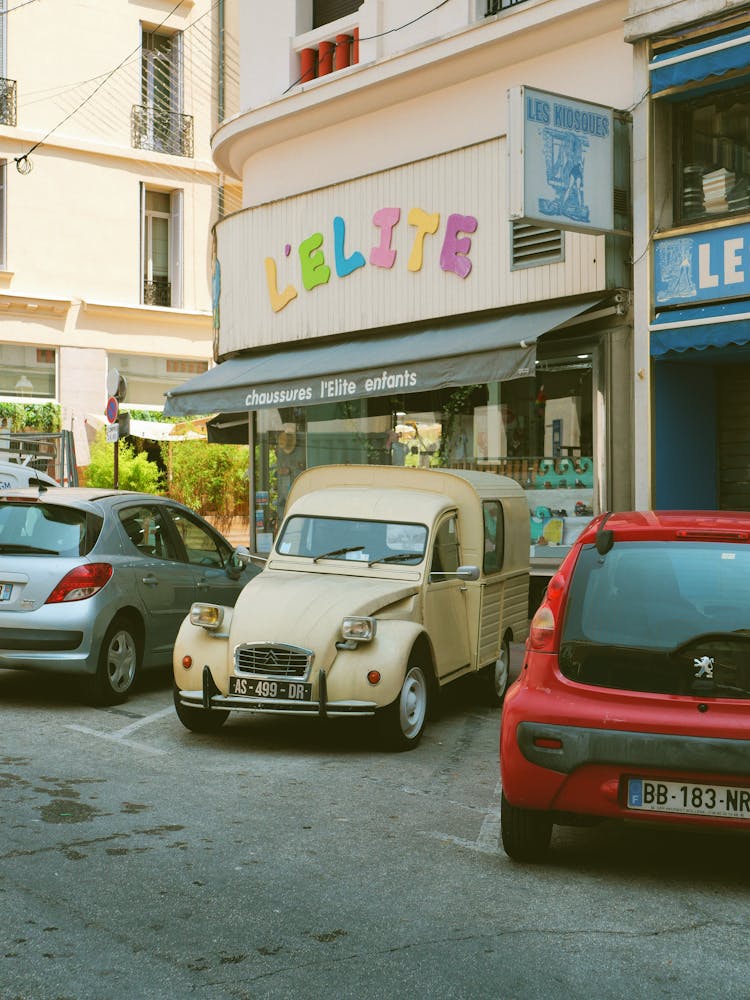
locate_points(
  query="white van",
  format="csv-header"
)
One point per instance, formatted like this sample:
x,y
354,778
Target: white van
x,y
384,585
13,475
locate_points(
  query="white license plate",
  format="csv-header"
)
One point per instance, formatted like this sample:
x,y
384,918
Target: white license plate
x,y
688,798
257,687
6,589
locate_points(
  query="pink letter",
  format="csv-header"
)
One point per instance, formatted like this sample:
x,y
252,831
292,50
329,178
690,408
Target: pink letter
x,y
453,255
385,219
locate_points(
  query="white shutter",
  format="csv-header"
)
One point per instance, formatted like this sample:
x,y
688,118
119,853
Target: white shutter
x,y
142,241
176,250
3,37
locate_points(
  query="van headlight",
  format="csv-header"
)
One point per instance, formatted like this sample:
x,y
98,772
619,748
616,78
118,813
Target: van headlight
x,y
208,616
358,629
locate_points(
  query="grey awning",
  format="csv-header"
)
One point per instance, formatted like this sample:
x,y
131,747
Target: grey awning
x,y
470,352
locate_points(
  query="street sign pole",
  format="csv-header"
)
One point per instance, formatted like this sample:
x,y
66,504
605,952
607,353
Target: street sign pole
x,y
112,411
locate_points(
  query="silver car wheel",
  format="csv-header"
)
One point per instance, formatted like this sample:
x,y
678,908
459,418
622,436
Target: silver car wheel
x,y
413,703
122,660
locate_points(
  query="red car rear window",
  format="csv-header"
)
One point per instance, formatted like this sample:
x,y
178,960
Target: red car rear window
x,y
670,617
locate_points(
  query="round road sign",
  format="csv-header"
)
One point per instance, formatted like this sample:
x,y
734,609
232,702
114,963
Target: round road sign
x,y
112,409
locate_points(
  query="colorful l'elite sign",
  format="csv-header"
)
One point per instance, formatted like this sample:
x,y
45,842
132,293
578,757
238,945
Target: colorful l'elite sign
x,y
454,253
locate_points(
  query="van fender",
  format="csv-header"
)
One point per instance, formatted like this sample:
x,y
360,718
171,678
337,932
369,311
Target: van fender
x,y
206,649
389,653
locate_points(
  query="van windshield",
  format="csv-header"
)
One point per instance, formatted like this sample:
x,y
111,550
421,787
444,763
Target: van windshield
x,y
352,539
670,617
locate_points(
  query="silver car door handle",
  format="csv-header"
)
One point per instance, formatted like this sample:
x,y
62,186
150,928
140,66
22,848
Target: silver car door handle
x,y
202,585
151,580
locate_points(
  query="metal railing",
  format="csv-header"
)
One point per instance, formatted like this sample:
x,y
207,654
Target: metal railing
x,y
7,101
157,293
161,131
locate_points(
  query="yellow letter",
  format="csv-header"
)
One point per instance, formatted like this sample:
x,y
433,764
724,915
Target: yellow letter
x,y
278,299
424,224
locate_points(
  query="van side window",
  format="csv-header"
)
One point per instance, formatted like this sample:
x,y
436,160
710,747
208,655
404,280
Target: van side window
x,y
445,557
494,536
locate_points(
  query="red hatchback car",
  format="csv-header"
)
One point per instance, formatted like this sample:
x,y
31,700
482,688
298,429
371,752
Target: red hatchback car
x,y
634,697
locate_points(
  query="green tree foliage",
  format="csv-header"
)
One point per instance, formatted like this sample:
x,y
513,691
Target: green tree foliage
x,y
208,477
39,417
135,471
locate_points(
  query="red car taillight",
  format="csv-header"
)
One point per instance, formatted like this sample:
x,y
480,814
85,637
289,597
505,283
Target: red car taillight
x,y
544,631
80,583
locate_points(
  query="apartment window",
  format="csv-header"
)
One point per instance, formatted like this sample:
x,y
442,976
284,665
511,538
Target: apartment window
x,y
161,247
712,142
158,123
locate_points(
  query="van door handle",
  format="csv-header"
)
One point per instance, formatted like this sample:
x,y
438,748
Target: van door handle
x,y
202,584
150,580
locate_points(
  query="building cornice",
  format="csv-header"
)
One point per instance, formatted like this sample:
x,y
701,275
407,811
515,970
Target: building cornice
x,y
33,305
155,314
481,48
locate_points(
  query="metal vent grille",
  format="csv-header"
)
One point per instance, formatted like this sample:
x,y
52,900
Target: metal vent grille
x,y
533,245
273,660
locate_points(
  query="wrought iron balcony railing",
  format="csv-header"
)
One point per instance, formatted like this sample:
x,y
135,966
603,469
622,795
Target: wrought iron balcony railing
x,y
7,102
495,6
157,292
161,131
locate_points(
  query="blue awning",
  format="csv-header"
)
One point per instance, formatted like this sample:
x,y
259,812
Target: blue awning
x,y
713,57
722,324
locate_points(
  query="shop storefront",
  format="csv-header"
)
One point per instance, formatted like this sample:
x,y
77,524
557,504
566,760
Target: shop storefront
x,y
382,341
700,328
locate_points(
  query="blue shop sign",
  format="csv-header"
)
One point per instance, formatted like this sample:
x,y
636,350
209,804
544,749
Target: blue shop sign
x,y
701,267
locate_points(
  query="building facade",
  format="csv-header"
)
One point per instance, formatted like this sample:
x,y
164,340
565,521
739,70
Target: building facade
x,y
383,296
691,134
108,196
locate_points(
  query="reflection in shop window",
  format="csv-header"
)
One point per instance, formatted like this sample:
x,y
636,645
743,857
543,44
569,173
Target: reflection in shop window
x,y
538,431
712,140
27,372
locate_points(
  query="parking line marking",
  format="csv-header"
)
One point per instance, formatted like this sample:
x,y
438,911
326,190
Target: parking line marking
x,y
488,841
120,736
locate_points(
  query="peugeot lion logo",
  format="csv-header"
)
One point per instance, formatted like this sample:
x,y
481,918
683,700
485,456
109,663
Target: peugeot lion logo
x,y
704,666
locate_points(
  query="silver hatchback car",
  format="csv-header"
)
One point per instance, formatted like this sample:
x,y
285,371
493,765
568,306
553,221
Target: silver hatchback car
x,y
97,582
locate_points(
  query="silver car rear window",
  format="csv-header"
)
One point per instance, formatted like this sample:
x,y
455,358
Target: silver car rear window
x,y
46,529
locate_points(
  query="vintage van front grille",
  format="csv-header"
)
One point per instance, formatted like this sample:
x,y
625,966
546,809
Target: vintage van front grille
x,y
276,660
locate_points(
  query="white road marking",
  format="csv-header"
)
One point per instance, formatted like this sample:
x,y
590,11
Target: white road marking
x,y
488,841
120,736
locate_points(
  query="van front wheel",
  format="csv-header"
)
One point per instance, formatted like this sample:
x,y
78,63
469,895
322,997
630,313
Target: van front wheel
x,y
403,721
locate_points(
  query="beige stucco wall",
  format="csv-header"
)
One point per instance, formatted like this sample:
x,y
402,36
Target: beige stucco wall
x,y
72,276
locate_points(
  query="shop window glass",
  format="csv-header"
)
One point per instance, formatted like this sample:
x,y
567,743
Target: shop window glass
x,y
27,372
538,431
149,378
712,139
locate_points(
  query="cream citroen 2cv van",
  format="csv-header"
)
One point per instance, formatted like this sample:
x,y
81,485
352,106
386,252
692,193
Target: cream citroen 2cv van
x,y
384,585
